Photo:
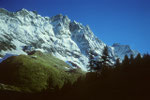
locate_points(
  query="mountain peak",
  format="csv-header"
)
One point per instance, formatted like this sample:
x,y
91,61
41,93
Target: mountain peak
x,y
121,50
23,12
60,17
75,26
116,44
3,10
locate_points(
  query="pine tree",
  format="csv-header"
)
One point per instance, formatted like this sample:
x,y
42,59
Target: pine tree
x,y
138,59
91,61
146,60
131,59
105,57
96,65
126,60
117,63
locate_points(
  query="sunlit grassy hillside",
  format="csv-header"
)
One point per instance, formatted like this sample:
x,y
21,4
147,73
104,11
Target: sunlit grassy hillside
x,y
36,72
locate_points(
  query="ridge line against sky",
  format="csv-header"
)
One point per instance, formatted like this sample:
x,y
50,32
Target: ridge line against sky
x,y
112,21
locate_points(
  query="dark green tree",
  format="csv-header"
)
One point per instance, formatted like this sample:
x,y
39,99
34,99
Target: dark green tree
x,y
126,60
138,59
96,65
117,63
105,58
146,60
131,59
91,62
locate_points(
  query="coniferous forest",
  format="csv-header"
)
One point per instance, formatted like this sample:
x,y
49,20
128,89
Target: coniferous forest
x,y
126,80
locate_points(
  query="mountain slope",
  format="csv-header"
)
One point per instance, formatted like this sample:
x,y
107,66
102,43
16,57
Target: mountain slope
x,y
36,72
70,41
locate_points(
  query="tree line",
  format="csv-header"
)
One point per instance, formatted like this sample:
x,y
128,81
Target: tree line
x,y
124,80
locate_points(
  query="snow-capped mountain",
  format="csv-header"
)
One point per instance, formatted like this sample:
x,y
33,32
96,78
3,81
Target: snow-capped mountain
x,y
68,40
121,50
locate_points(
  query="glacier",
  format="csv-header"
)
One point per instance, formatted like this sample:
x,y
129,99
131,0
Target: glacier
x,y
67,40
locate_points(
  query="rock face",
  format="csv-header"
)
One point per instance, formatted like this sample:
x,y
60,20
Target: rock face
x,y
68,40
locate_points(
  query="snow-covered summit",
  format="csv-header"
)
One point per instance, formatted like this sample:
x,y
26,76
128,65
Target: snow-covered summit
x,y
68,40
121,50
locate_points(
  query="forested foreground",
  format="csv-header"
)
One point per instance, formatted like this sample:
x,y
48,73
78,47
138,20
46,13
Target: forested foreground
x,y
129,80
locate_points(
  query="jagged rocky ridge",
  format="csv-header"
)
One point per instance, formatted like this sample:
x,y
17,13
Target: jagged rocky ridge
x,y
68,40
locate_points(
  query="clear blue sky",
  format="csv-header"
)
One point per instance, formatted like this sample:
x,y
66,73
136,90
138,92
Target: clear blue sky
x,y
121,21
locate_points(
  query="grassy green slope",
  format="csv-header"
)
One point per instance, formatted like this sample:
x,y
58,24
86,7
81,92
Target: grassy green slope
x,y
36,72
